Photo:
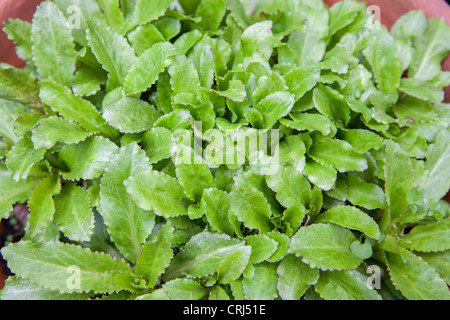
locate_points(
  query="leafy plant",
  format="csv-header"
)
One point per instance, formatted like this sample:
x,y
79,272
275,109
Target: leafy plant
x,y
94,129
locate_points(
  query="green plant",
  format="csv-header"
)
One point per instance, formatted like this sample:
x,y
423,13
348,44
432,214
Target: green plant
x,y
112,96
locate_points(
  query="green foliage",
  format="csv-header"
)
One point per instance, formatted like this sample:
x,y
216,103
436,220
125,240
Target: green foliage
x,y
212,149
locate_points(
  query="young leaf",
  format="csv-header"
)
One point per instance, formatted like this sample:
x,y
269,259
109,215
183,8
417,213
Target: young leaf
x,y
153,190
338,154
56,129
344,285
251,207
202,255
112,51
73,213
291,187
20,86
184,289
155,257
41,204
428,238
351,218
53,49
61,100
274,107
263,247
53,260
148,66
157,144
131,115
399,175
263,284
12,192
233,264
431,48
295,277
22,157
87,159
416,279
127,224
325,246
366,195
20,289
217,206
437,177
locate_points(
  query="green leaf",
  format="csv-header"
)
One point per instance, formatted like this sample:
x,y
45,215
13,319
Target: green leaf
x,y
291,187
202,57
194,178
9,112
149,65
310,122
344,13
325,246
295,277
211,13
127,224
61,100
308,44
263,284
22,157
363,140
416,279
184,289
155,257
440,261
233,264
20,86
12,192
384,61
20,289
153,190
263,247
338,154
112,51
399,175
113,14
258,39
301,80
421,90
131,115
202,255
53,49
73,213
183,76
157,143
20,32
149,10
366,195
323,177
251,207
56,129
344,285
235,92
332,104
428,238
431,48
274,107
217,210
41,204
351,218
437,180
55,262
87,159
